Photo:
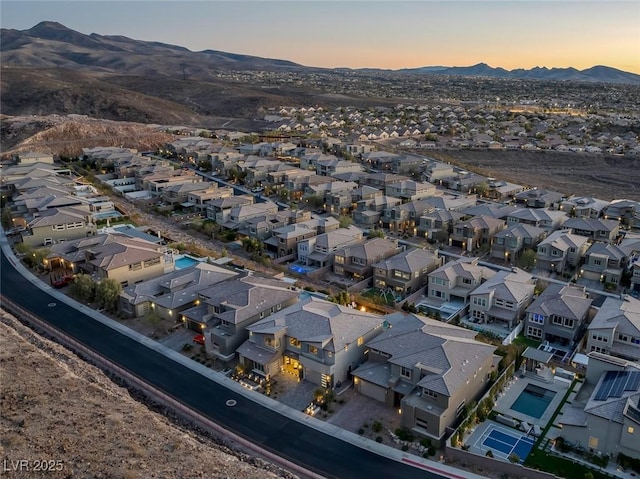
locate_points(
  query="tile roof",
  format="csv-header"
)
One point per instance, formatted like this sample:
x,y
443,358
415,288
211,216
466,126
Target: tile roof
x,y
446,354
319,321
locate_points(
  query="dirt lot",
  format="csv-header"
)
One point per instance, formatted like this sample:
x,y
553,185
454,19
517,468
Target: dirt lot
x,y
55,407
601,176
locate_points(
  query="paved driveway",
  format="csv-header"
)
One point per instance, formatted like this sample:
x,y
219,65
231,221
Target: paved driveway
x,y
177,339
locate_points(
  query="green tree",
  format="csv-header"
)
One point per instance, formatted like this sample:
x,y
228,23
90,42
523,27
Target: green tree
x,y
343,297
6,215
527,259
83,287
345,221
376,233
315,201
107,293
209,227
153,318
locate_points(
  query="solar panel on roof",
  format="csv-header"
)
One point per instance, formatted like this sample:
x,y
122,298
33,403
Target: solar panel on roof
x,y
605,387
633,381
618,384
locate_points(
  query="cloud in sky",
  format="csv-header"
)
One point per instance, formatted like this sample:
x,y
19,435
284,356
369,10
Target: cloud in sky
x,y
384,34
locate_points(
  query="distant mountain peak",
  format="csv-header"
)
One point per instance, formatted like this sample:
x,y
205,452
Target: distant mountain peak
x,y
597,73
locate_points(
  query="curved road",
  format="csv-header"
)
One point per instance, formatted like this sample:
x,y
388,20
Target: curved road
x,y
286,437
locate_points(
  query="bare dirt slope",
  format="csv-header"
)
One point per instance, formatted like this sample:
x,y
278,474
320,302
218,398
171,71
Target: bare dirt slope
x,y
55,407
606,177
67,135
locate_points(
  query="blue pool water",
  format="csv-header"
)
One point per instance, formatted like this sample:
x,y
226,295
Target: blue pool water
x,y
298,268
533,401
186,262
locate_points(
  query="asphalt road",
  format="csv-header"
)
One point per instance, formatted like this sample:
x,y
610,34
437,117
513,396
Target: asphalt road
x,y
287,438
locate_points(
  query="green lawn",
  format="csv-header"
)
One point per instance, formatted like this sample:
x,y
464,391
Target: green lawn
x,y
560,466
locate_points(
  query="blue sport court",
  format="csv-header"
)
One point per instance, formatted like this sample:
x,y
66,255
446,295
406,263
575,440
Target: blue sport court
x,y
507,443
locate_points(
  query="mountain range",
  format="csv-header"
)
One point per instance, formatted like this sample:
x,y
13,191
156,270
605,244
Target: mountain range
x,y
52,45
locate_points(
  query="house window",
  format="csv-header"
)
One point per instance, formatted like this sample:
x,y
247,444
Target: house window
x,y
600,337
568,322
439,281
537,318
555,252
555,319
430,393
534,332
630,430
437,294
135,266
466,281
152,262
313,349
593,442
58,227
422,423
623,337
271,342
294,342
480,301
360,341
597,262
406,372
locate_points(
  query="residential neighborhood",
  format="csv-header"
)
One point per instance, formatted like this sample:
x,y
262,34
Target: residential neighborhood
x,y
393,275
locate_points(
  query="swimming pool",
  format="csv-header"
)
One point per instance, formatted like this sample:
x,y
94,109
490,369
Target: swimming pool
x,y
300,269
533,401
186,262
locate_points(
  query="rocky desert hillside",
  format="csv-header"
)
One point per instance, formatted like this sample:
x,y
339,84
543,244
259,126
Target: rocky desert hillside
x,y
56,407
67,135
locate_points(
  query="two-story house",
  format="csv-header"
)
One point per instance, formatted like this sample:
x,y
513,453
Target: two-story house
x,y
502,298
56,225
317,340
608,262
406,272
454,281
177,194
356,261
284,241
200,199
509,243
615,329
476,232
595,229
236,304
219,209
438,225
538,198
559,314
409,190
625,211
560,250
318,251
549,220
369,211
607,421
427,370
583,207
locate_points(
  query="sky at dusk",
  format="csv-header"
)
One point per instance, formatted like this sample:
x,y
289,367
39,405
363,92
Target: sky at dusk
x,y
381,34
